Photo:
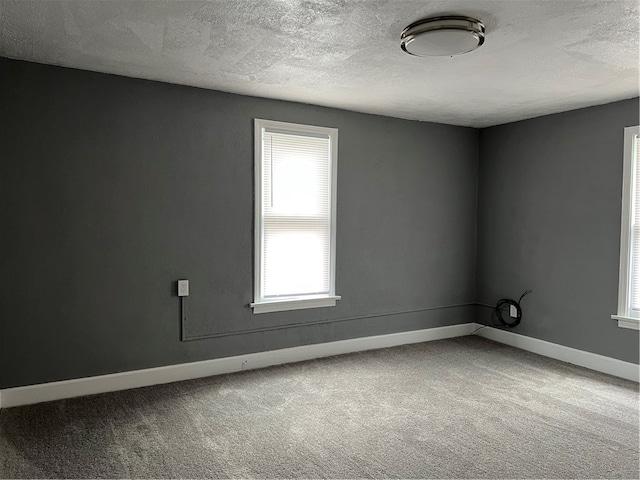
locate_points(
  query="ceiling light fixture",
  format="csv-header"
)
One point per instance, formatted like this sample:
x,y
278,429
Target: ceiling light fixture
x,y
442,36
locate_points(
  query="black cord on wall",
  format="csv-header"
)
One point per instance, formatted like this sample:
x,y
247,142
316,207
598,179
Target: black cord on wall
x,y
505,304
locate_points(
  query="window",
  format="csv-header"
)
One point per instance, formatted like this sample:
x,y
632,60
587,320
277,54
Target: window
x,y
295,206
629,286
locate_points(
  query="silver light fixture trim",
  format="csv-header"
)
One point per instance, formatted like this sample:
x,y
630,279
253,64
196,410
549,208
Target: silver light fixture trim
x,y
442,36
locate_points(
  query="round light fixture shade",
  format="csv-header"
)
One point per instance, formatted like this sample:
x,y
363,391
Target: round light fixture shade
x,y
442,36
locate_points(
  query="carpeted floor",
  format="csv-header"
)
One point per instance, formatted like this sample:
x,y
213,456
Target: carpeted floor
x,y
459,408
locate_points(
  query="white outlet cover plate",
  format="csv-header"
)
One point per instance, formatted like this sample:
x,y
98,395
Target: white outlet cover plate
x,y
183,288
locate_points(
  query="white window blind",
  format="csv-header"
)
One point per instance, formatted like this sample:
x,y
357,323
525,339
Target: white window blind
x,y
295,216
635,229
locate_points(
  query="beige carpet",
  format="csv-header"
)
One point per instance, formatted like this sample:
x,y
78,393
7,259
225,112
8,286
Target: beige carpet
x,y
455,408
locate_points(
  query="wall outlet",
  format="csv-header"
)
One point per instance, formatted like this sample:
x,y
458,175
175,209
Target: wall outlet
x,y
513,311
183,288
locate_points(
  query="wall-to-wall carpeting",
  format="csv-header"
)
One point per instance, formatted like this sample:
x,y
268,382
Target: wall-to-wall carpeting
x,y
459,408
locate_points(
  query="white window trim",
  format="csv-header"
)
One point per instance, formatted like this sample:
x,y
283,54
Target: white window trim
x,y
624,316
303,301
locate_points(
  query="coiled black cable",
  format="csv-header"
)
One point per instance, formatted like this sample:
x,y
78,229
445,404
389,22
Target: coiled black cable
x,y
508,303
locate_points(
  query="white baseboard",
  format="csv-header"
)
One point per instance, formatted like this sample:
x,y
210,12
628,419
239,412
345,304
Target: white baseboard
x,y
593,361
12,397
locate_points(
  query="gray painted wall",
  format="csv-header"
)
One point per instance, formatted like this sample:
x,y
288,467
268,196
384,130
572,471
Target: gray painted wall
x,y
549,205
113,188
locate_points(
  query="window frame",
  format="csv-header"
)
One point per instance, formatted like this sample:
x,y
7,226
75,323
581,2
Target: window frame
x,y
624,316
294,302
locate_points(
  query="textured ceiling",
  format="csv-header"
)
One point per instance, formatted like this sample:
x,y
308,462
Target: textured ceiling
x,y
539,56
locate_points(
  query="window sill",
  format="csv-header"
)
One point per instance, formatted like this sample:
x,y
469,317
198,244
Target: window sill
x,y
627,322
294,304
